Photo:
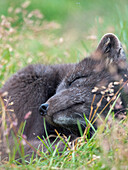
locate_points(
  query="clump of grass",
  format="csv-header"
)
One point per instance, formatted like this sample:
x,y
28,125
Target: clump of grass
x,y
114,145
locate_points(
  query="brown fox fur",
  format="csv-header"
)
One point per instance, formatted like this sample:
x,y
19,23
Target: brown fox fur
x,y
64,93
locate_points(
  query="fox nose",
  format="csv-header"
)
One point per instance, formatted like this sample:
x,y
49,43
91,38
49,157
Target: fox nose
x,y
43,109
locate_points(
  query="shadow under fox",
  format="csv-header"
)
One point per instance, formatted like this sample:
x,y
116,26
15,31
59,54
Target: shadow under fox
x,y
64,93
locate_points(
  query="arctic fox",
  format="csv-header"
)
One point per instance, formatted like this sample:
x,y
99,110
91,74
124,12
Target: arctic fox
x,y
63,94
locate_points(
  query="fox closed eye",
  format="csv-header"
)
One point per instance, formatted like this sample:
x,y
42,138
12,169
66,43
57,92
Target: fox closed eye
x,y
75,79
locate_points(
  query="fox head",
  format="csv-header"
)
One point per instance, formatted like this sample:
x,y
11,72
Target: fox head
x,y
102,74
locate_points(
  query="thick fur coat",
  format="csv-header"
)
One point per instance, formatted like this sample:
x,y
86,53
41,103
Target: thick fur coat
x,y
64,93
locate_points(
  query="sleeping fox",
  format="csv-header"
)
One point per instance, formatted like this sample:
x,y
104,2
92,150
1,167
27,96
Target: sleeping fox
x,y
63,94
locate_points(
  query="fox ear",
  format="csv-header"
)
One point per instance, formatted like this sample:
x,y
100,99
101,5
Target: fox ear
x,y
110,48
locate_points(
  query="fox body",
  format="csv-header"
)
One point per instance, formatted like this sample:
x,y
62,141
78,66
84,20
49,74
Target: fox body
x,y
63,94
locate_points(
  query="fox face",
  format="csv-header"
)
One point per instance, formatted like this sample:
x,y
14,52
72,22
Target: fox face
x,y
94,81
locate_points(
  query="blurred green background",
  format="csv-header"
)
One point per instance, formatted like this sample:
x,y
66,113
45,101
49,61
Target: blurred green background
x,y
67,31
81,14
76,10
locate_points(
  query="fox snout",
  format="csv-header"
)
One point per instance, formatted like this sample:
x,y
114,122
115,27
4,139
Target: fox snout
x,y
43,109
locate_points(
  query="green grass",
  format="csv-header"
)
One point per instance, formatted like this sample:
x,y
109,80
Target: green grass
x,y
67,32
